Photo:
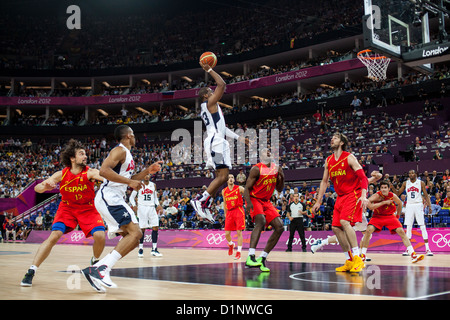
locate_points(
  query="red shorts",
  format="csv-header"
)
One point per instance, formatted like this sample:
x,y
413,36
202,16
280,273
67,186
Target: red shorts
x,y
235,219
389,221
264,207
86,216
346,209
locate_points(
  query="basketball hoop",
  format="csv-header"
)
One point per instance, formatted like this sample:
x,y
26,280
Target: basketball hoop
x,y
376,64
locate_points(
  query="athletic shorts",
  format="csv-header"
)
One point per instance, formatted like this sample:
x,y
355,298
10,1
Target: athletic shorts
x,y
147,216
114,210
217,150
265,208
414,211
235,219
346,209
389,221
86,216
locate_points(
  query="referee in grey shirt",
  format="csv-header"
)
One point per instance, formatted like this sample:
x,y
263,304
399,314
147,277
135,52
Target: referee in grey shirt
x,y
296,210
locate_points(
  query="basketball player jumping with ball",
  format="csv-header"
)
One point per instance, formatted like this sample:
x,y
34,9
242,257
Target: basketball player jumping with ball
x,y
217,148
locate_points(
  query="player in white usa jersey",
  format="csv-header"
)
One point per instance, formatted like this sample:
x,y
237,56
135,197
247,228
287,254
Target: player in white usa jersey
x,y
118,171
147,211
414,206
217,148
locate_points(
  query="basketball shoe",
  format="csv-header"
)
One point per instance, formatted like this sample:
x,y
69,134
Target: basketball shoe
x,y
358,264
28,278
263,267
100,273
252,262
346,267
95,284
156,253
202,209
237,256
316,245
416,258
230,249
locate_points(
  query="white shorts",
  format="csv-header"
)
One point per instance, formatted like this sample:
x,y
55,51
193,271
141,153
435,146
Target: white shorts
x,y
148,217
114,210
414,211
217,151
361,226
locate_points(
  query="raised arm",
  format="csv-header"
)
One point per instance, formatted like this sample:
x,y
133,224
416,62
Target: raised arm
x,y
220,88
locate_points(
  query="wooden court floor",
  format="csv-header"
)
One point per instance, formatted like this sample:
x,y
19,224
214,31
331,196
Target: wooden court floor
x,y
202,274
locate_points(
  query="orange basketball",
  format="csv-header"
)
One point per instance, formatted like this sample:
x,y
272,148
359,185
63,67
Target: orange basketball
x,y
209,58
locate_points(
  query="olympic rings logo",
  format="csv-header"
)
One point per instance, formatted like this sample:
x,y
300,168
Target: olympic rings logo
x,y
77,236
440,240
215,238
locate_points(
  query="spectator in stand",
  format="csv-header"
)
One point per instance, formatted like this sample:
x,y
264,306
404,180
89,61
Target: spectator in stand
x,y
10,229
171,212
446,202
47,220
241,178
437,155
317,116
39,222
446,176
356,103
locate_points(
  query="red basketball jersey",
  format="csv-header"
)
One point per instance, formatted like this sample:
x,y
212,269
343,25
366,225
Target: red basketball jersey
x,y
76,189
342,175
233,198
386,210
264,187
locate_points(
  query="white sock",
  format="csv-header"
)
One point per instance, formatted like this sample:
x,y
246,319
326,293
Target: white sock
x,y
363,250
263,254
141,246
33,267
110,259
251,251
410,250
154,245
239,249
347,255
355,251
205,196
230,243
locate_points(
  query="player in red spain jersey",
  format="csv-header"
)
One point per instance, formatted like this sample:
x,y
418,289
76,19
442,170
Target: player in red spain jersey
x,y
385,205
77,182
234,214
263,179
350,184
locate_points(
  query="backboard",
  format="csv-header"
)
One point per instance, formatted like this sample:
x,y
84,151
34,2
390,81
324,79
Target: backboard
x,y
393,27
392,24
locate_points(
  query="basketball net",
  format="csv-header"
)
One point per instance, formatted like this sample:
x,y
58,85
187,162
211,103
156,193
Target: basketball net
x,y
376,64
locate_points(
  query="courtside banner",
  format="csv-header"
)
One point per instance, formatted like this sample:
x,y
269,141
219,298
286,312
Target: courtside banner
x,y
439,240
262,82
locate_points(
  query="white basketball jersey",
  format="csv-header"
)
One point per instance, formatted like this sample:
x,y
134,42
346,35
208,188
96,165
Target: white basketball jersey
x,y
214,123
147,196
125,169
413,192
